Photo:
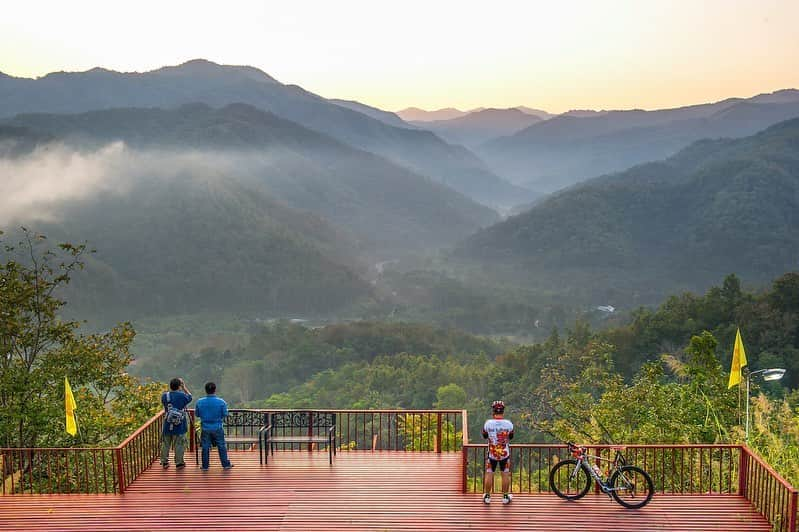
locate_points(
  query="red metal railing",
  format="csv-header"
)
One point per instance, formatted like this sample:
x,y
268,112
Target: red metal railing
x,y
400,430
768,492
367,430
81,469
56,470
675,469
138,451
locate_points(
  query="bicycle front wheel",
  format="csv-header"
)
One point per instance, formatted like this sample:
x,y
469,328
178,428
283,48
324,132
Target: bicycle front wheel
x,y
569,480
632,486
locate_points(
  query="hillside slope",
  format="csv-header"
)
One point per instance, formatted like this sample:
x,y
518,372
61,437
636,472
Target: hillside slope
x,y
390,209
717,207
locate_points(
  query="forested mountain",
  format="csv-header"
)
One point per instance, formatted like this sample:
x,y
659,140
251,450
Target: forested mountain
x,y
571,148
218,85
476,128
183,243
718,206
388,208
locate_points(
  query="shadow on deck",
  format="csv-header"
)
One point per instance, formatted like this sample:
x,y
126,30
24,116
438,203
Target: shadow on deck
x,y
383,490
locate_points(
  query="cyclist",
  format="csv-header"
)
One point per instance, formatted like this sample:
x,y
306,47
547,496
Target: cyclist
x,y
499,432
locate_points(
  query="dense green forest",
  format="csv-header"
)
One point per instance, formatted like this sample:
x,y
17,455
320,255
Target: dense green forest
x,y
404,365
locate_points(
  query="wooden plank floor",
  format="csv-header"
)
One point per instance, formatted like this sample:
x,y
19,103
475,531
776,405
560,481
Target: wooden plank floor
x,y
381,491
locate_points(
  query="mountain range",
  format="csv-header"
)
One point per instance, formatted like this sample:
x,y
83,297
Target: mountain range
x,y
567,149
478,127
208,187
717,207
386,207
415,114
220,85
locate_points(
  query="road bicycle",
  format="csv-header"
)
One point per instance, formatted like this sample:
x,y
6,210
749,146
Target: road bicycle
x,y
629,485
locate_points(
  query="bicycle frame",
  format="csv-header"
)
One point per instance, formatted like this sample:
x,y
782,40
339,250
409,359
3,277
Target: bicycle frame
x,y
584,457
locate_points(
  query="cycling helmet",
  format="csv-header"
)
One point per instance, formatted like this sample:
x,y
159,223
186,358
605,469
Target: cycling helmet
x,y
498,407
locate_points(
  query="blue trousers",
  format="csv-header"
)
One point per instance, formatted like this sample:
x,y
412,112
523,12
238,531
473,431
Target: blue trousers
x,y
214,437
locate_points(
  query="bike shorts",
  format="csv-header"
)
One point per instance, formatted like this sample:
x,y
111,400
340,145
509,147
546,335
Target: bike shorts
x,y
504,465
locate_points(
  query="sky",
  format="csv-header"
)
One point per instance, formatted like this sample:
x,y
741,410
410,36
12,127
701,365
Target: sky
x,y
552,55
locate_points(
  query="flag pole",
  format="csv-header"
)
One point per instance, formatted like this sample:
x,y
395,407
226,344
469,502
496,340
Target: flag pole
x,y
77,426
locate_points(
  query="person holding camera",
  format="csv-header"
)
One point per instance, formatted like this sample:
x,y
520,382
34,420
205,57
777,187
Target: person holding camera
x,y
176,422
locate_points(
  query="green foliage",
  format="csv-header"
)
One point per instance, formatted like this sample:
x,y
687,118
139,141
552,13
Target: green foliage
x,y
419,433
450,397
283,355
769,326
38,349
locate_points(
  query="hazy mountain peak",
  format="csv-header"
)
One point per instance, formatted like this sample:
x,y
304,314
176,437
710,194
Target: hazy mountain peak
x,y
779,96
100,70
91,73
421,115
206,68
581,113
540,113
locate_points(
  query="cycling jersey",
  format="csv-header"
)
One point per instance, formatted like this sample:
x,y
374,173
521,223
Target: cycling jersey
x,y
499,433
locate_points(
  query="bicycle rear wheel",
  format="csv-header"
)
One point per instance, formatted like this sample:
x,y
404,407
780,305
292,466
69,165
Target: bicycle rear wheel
x,y
569,480
632,486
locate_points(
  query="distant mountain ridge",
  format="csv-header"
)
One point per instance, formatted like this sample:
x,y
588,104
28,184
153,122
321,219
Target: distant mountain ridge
x,y
415,114
568,149
220,85
386,117
476,128
716,207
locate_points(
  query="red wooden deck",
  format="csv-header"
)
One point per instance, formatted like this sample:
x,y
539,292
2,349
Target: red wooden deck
x,y
385,490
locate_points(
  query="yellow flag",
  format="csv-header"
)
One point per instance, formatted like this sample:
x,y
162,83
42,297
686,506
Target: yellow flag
x,y
70,407
738,360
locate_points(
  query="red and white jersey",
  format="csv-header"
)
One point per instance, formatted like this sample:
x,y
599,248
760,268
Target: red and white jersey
x,y
499,433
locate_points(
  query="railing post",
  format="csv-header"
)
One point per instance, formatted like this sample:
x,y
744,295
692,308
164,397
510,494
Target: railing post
x,y
310,430
120,470
464,448
743,470
792,509
465,466
438,433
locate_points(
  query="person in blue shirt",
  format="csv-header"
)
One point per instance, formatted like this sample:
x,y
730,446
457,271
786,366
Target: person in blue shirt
x,y
175,434
212,411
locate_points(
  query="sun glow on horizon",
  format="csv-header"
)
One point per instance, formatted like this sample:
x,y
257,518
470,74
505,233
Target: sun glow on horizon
x,y
615,54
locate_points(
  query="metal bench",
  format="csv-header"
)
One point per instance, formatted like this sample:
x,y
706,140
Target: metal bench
x,y
301,427
243,428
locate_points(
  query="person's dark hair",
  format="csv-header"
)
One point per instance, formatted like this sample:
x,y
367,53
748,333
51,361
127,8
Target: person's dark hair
x,y
210,387
174,384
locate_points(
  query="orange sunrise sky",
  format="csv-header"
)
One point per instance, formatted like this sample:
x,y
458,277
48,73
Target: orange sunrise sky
x,y
550,55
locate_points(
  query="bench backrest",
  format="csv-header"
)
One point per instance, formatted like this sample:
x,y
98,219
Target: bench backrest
x,y
303,419
245,422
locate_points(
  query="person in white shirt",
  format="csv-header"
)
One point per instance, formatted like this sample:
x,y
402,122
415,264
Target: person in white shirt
x,y
499,432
